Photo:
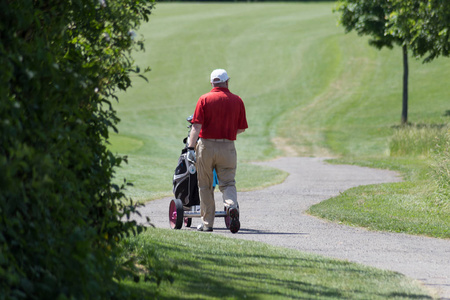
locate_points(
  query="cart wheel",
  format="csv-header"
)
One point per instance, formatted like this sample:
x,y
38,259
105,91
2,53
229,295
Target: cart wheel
x,y
227,219
187,222
176,214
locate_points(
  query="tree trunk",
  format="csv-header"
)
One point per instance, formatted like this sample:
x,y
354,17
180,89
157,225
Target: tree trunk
x,y
405,86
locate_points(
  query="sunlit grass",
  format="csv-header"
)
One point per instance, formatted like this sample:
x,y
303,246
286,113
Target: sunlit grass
x,y
397,207
418,140
441,171
207,266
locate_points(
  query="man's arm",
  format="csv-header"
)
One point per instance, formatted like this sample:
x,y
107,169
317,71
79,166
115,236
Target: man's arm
x,y
193,136
240,131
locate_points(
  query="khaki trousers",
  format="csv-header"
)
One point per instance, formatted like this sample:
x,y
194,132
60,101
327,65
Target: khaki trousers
x,y
219,155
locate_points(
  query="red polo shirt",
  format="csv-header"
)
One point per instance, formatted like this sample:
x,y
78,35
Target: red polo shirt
x,y
221,113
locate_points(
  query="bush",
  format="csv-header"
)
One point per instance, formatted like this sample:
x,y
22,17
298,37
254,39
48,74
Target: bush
x,y
60,215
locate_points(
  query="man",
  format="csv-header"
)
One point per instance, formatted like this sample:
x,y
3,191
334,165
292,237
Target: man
x,y
219,116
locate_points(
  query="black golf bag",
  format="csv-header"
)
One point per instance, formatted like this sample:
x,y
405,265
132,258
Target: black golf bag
x,y
185,185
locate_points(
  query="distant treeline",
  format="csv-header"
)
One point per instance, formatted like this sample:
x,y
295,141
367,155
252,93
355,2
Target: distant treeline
x,y
245,1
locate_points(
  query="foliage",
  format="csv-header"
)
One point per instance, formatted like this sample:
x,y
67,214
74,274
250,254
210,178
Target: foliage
x,y
425,25
60,216
368,17
422,26
245,1
142,257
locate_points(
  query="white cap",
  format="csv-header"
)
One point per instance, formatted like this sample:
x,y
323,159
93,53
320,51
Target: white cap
x,y
219,75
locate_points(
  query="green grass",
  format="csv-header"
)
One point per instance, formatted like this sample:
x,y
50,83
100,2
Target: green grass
x,y
415,206
207,266
441,171
397,207
417,140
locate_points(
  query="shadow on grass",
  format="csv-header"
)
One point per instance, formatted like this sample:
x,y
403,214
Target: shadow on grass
x,y
217,273
422,125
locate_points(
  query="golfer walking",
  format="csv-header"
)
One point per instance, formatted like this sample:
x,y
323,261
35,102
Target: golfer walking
x,y
218,118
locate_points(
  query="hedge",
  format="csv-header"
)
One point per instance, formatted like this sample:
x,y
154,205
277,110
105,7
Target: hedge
x,y
60,215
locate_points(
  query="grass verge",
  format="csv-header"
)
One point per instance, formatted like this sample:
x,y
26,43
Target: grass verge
x,y
207,266
420,205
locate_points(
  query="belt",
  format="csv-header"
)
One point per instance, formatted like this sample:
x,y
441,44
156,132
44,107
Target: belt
x,y
218,140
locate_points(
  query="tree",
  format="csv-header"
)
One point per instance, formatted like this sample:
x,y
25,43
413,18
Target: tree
x,y
422,26
60,214
370,17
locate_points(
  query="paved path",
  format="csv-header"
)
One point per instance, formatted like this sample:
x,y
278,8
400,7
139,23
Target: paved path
x,y
276,216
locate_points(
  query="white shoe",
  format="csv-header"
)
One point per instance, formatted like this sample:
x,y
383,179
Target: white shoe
x,y
202,227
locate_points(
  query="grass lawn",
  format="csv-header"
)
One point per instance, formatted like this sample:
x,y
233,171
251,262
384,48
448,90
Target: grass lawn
x,y
207,266
409,207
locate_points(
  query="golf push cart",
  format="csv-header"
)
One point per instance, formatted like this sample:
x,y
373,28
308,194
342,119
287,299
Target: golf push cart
x,y
186,204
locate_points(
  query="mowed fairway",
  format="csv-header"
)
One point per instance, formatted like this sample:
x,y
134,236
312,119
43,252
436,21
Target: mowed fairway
x,y
309,89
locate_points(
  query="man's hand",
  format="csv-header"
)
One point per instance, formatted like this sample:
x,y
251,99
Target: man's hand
x,y
191,156
193,137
